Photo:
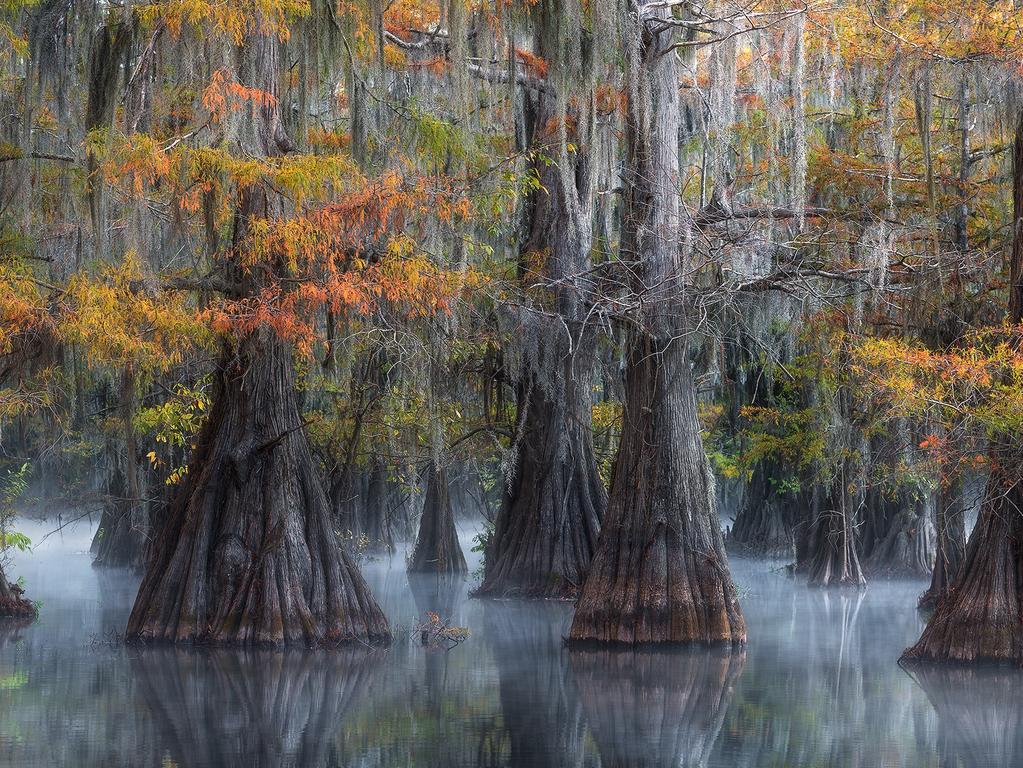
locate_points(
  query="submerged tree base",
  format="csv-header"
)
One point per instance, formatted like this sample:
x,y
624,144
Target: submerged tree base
x,y
247,555
13,604
980,619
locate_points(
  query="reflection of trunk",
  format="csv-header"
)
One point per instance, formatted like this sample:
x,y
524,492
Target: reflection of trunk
x,y
905,543
437,549
950,526
764,523
655,708
247,554
659,573
121,537
252,708
436,592
547,526
980,618
980,713
539,703
12,600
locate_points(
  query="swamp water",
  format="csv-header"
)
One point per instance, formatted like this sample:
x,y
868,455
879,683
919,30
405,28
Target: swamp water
x,y
818,685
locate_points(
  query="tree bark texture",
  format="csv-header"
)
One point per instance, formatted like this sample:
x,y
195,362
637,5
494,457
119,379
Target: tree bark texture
x,y
660,574
248,554
547,526
437,549
950,547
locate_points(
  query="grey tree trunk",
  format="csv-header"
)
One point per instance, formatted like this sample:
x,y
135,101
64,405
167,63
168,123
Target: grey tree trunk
x,y
437,549
247,554
547,527
660,574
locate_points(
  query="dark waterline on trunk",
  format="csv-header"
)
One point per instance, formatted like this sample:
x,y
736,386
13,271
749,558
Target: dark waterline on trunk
x,y
818,684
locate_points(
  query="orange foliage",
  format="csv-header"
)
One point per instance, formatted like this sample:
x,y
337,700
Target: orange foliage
x,y
224,94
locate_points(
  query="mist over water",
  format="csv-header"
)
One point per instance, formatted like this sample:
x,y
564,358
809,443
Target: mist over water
x,y
818,685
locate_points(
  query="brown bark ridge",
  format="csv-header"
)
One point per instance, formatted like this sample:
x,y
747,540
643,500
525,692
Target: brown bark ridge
x,y
659,574
950,547
437,549
549,520
13,604
980,618
247,554
656,707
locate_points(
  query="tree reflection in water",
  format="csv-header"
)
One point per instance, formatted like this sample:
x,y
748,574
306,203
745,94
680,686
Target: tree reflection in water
x,y
980,713
656,707
539,702
252,708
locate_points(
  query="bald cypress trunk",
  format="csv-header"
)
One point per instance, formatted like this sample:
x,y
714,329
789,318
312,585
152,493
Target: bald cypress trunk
x,y
981,617
905,540
659,574
950,547
121,537
247,554
764,524
832,556
550,515
437,549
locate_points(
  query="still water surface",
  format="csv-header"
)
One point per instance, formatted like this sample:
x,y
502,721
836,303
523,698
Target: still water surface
x,y
818,685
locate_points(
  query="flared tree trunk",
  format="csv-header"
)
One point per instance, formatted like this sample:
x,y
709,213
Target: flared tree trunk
x,y
981,617
832,559
248,554
376,517
660,574
764,524
121,537
547,527
829,553
656,708
119,541
437,549
12,600
905,545
950,548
